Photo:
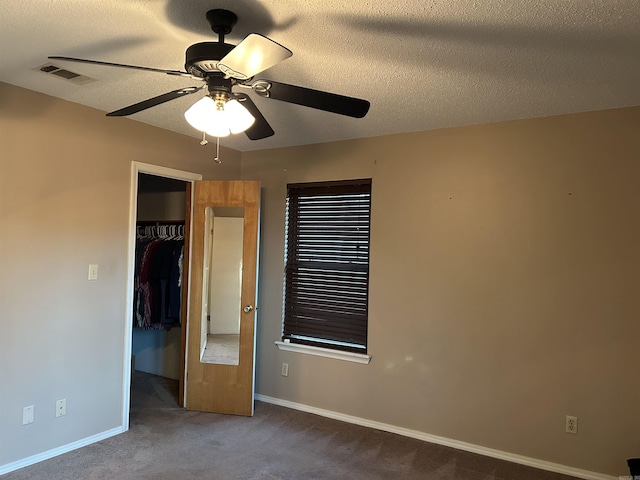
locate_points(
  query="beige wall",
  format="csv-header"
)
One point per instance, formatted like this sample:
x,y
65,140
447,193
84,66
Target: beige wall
x,y
504,285
65,173
504,277
153,206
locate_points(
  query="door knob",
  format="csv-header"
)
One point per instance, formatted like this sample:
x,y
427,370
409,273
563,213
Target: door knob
x,y
248,308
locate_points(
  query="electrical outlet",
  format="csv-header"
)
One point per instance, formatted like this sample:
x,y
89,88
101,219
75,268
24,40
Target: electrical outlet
x,y
285,370
571,425
93,272
61,407
27,415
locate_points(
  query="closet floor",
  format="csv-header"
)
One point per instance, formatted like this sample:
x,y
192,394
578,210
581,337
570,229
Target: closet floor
x,y
224,349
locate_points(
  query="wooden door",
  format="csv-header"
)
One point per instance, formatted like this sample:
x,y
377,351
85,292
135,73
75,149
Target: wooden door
x,y
213,387
185,295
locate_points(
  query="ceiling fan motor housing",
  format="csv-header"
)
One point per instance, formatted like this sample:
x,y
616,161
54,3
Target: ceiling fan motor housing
x,y
219,86
221,21
202,58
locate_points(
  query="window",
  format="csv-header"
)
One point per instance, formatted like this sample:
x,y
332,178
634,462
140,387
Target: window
x,y
327,264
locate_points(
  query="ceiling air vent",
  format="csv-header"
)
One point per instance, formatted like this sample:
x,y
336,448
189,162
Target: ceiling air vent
x,y
65,74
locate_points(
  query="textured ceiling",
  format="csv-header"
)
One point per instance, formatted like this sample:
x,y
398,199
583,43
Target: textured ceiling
x,y
422,64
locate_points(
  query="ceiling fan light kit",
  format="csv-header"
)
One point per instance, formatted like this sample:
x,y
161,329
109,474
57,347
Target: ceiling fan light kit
x,y
219,116
222,67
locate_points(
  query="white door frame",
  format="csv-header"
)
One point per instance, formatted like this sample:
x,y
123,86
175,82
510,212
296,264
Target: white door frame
x,y
136,168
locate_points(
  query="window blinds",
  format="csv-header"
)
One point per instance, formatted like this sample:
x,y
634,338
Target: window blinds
x,y
327,264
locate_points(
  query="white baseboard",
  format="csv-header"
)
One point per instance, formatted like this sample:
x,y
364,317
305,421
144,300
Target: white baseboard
x,y
54,452
468,447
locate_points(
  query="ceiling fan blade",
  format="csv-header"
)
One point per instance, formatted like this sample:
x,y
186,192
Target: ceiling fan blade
x,y
152,102
122,65
260,128
252,55
329,102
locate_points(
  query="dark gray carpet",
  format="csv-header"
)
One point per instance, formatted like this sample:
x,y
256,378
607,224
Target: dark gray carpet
x,y
167,442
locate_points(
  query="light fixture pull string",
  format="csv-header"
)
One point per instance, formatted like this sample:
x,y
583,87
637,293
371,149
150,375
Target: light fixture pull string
x,y
217,159
204,141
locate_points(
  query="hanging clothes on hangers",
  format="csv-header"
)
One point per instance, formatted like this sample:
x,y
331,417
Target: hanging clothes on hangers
x,y
158,275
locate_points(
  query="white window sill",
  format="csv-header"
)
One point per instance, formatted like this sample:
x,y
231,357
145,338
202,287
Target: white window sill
x,y
324,352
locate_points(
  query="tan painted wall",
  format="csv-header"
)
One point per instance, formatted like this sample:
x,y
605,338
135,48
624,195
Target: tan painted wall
x,y
153,206
505,269
482,267
65,173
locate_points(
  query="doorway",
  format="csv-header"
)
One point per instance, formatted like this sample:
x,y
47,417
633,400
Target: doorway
x,y
213,387
160,223
154,343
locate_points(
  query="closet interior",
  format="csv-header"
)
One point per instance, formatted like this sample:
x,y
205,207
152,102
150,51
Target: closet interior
x,y
158,280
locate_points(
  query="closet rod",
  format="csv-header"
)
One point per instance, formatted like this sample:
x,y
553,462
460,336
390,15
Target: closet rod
x,y
152,223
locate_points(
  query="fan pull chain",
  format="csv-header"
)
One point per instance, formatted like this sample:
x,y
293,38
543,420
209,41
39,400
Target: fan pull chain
x,y
217,159
204,141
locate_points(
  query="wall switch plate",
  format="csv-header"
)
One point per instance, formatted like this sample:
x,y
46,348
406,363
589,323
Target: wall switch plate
x,y
571,425
93,272
285,370
61,407
27,415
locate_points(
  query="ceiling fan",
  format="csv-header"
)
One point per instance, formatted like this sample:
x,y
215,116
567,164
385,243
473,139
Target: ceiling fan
x,y
222,66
